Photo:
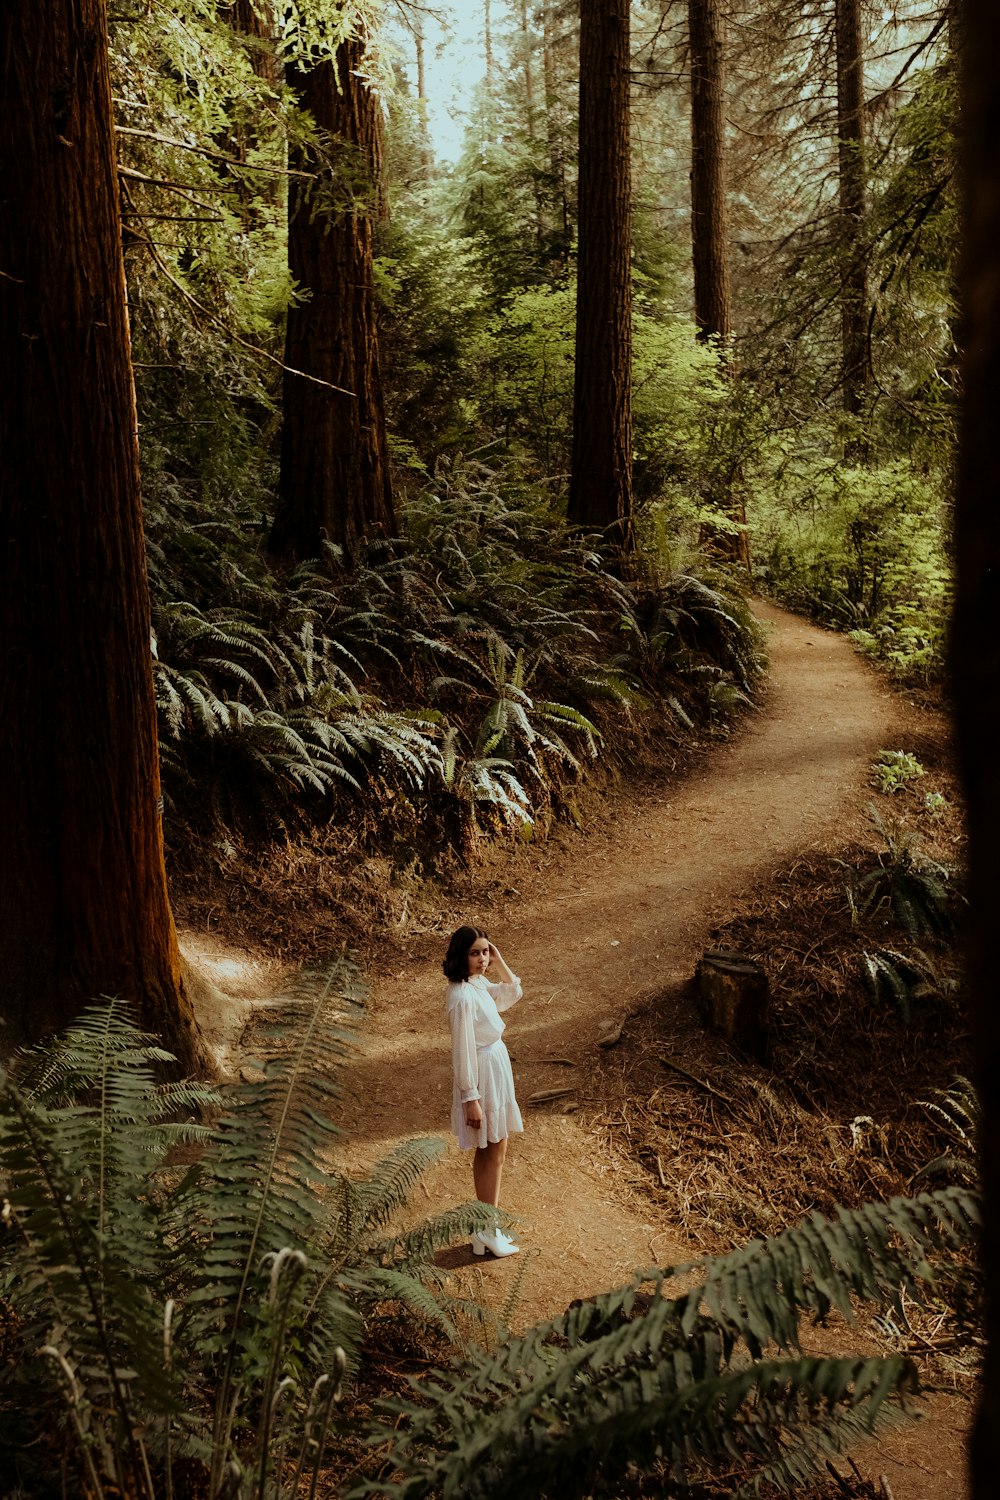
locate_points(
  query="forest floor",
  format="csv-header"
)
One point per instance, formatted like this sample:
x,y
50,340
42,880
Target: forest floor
x,y
604,926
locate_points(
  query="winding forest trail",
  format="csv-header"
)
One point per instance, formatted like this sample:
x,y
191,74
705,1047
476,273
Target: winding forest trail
x,y
621,921
615,919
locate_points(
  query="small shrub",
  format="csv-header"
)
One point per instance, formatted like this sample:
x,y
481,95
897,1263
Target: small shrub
x,y
894,769
903,979
959,1110
905,886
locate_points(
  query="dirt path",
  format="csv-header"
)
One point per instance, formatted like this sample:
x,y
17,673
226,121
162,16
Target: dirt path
x,y
621,919
624,918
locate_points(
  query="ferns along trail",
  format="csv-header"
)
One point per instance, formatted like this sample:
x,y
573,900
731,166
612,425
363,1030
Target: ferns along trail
x,y
557,538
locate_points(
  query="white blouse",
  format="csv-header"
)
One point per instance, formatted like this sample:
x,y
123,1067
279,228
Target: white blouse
x,y
474,1007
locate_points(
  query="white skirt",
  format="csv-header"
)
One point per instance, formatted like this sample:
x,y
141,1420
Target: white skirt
x,y
501,1116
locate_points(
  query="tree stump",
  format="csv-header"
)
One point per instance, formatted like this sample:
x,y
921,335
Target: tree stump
x,y
735,999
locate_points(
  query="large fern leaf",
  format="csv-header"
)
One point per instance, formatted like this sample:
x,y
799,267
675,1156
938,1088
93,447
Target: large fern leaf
x,y
638,1373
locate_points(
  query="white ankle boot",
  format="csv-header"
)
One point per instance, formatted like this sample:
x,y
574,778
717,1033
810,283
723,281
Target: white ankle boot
x,y
496,1242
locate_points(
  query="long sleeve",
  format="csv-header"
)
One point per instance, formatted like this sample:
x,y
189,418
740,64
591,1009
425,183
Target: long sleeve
x,y
462,1016
505,995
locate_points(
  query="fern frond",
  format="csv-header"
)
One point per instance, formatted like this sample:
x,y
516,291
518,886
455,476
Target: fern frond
x,y
373,1202
378,1284
636,1373
419,1244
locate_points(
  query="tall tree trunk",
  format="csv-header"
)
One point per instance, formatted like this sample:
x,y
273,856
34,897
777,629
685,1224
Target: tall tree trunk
x,y
975,651
600,494
255,19
851,159
529,78
334,458
488,47
555,142
426,154
710,237
255,22
83,895
709,217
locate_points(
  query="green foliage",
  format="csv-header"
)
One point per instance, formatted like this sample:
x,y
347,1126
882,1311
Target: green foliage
x,y
959,1111
714,1375
894,769
904,886
688,631
914,234
863,545
207,1315
864,550
432,308
904,979
464,667
514,194
267,720
525,363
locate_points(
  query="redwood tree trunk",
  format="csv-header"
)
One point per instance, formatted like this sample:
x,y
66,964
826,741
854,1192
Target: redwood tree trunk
x,y
851,153
334,460
554,135
710,238
600,495
426,151
709,226
83,896
255,19
975,650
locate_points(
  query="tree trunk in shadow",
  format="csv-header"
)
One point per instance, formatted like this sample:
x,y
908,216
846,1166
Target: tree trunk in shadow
x,y
83,894
335,485
975,648
600,495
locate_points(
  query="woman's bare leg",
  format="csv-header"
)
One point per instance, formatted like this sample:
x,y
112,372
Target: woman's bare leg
x,y
487,1169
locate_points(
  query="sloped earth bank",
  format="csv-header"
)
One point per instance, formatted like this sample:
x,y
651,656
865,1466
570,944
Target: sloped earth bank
x,y
614,920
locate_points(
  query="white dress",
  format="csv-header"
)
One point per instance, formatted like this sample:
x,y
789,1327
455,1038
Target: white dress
x,y
480,1062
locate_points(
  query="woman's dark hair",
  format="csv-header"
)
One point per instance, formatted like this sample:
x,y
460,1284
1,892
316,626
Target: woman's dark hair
x,y
456,960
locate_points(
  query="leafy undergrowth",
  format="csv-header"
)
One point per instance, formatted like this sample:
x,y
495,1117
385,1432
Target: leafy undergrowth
x,y
461,687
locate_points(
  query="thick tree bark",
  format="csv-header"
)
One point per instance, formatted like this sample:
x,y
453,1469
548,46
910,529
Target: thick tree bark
x,y
855,374
255,19
334,459
600,495
975,649
83,897
709,218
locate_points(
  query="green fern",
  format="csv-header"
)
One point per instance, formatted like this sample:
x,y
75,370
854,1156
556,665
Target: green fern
x,y
640,1377
81,1132
207,1315
903,979
959,1111
287,702
904,886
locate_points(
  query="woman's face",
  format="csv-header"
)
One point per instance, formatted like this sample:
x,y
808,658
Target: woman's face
x,y
479,957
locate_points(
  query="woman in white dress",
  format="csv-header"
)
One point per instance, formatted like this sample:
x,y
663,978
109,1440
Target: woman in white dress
x,y
484,1109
